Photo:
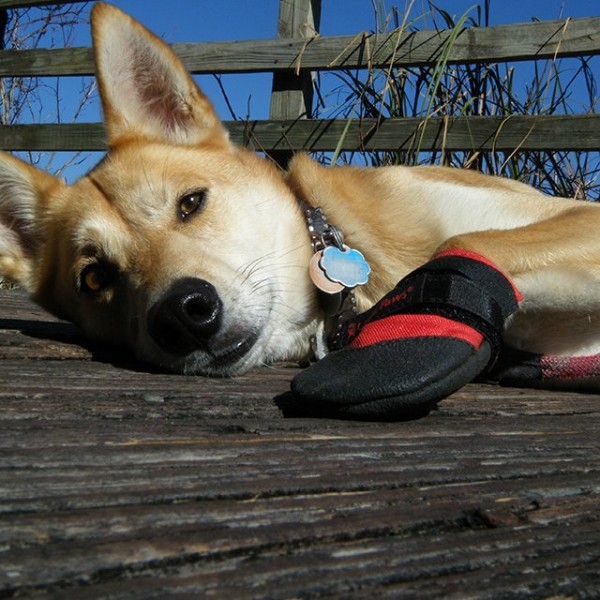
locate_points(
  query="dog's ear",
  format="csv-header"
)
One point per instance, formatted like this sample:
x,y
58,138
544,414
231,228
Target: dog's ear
x,y
145,89
24,191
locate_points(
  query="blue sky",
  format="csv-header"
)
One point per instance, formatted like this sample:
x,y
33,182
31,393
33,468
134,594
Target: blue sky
x,y
228,20
206,20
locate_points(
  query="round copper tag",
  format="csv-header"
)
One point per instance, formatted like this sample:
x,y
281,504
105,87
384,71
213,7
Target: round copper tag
x,y
320,279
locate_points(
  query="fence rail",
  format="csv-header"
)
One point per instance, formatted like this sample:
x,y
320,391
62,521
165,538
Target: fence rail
x,y
32,3
504,43
568,132
526,41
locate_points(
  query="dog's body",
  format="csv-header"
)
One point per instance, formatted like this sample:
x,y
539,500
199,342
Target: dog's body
x,y
195,253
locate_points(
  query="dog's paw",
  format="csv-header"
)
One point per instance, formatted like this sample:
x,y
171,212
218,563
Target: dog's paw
x,y
436,331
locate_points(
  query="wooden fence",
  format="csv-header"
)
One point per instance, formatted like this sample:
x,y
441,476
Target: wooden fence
x,y
297,52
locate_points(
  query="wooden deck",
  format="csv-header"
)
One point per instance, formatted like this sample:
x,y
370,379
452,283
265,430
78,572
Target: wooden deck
x,y
119,483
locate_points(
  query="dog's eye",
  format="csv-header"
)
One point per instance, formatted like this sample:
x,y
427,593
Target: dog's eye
x,y
191,203
95,278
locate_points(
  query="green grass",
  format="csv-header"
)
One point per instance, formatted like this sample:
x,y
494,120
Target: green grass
x,y
547,87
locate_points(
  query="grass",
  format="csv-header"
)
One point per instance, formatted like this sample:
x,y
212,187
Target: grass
x,y
546,87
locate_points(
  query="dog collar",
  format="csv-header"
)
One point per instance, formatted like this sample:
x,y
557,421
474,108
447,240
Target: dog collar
x,y
335,269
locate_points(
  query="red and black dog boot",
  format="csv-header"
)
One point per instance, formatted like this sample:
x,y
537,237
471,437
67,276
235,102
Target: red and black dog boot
x,y
437,330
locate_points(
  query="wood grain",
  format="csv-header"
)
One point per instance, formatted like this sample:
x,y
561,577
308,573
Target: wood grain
x,y
504,43
30,3
526,132
116,481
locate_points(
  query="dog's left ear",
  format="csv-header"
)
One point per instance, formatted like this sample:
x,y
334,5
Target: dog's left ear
x,y
25,194
145,89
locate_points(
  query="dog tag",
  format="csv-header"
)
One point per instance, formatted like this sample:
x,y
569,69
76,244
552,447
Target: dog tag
x,y
346,266
320,279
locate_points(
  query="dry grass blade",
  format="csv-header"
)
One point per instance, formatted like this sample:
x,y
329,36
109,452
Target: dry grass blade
x,y
555,86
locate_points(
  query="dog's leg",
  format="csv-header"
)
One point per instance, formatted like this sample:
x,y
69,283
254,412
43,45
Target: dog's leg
x,y
555,264
553,340
395,365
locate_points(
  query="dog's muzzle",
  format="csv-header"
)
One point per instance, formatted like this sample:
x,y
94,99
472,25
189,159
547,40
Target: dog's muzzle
x,y
189,319
186,318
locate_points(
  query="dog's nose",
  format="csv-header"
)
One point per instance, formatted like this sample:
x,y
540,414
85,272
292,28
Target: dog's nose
x,y
186,317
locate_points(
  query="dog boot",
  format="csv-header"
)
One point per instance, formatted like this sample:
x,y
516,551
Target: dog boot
x,y
517,368
438,329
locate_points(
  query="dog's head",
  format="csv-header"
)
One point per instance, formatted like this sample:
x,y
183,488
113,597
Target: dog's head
x,y
178,244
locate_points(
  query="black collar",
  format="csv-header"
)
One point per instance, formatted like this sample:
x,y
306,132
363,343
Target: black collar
x,y
337,299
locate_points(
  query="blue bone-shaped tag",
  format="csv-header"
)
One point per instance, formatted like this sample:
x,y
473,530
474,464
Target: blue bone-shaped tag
x,y
346,266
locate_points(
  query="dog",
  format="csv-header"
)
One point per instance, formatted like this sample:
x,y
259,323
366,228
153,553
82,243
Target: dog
x,y
195,253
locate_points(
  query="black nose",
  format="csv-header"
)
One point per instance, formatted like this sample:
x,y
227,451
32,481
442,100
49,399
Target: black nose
x,y
186,317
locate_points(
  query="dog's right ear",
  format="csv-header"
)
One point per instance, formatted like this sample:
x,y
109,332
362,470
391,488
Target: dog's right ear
x,y
145,89
24,195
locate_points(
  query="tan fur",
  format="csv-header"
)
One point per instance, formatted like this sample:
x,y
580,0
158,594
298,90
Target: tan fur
x,y
250,240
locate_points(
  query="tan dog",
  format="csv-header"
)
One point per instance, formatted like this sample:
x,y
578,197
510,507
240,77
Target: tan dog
x,y
195,253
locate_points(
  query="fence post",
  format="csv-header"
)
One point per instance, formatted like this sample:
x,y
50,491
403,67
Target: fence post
x,y
292,94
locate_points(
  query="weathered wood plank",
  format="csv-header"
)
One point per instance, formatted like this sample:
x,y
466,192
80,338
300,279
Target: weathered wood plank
x,y
291,96
547,132
30,3
555,132
118,482
523,41
184,503
366,536
292,92
63,136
